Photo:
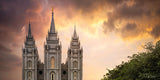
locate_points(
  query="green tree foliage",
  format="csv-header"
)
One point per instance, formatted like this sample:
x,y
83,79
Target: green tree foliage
x,y
141,66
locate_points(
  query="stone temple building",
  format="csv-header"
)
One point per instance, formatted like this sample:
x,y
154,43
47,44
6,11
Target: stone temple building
x,y
52,68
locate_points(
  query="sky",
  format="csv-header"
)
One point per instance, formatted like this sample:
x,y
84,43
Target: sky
x,y
109,31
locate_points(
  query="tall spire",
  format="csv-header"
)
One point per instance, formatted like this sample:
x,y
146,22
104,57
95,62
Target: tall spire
x,y
75,33
52,28
29,30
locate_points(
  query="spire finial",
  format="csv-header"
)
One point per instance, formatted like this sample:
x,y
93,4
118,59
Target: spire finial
x,y
52,28
52,11
29,30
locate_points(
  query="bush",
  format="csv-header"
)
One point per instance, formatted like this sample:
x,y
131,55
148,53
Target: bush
x,y
141,66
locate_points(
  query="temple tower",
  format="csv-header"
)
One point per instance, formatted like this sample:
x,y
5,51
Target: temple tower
x,y
29,58
75,59
52,54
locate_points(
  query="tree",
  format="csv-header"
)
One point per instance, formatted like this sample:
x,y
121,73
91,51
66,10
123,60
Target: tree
x,y
141,66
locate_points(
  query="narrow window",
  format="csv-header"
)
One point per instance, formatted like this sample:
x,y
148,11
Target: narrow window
x,y
29,64
52,76
29,75
52,62
75,75
75,64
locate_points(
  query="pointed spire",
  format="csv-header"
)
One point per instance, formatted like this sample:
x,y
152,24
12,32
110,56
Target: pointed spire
x,y
52,28
75,33
29,30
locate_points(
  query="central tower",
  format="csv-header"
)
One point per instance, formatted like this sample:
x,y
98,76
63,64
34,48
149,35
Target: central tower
x,y
52,54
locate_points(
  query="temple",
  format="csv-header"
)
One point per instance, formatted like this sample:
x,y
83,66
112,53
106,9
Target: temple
x,y
52,68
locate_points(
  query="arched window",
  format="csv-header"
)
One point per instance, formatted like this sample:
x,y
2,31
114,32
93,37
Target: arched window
x,y
75,75
75,64
29,64
52,62
52,76
29,74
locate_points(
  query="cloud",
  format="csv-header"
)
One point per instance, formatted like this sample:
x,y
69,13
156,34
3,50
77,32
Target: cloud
x,y
9,61
10,64
109,26
133,18
13,18
134,11
84,5
115,1
130,30
129,27
158,12
137,12
156,31
16,13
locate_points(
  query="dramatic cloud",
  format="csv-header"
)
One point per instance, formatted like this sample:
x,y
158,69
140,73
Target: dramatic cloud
x,y
158,12
130,30
16,13
109,25
129,19
132,11
8,60
130,27
84,5
156,31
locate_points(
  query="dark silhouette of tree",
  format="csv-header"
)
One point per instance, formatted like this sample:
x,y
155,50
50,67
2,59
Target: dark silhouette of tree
x,y
141,66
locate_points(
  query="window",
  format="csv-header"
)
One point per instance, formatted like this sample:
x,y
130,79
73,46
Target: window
x,y
29,75
52,76
52,62
75,75
29,64
64,72
75,64
40,72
